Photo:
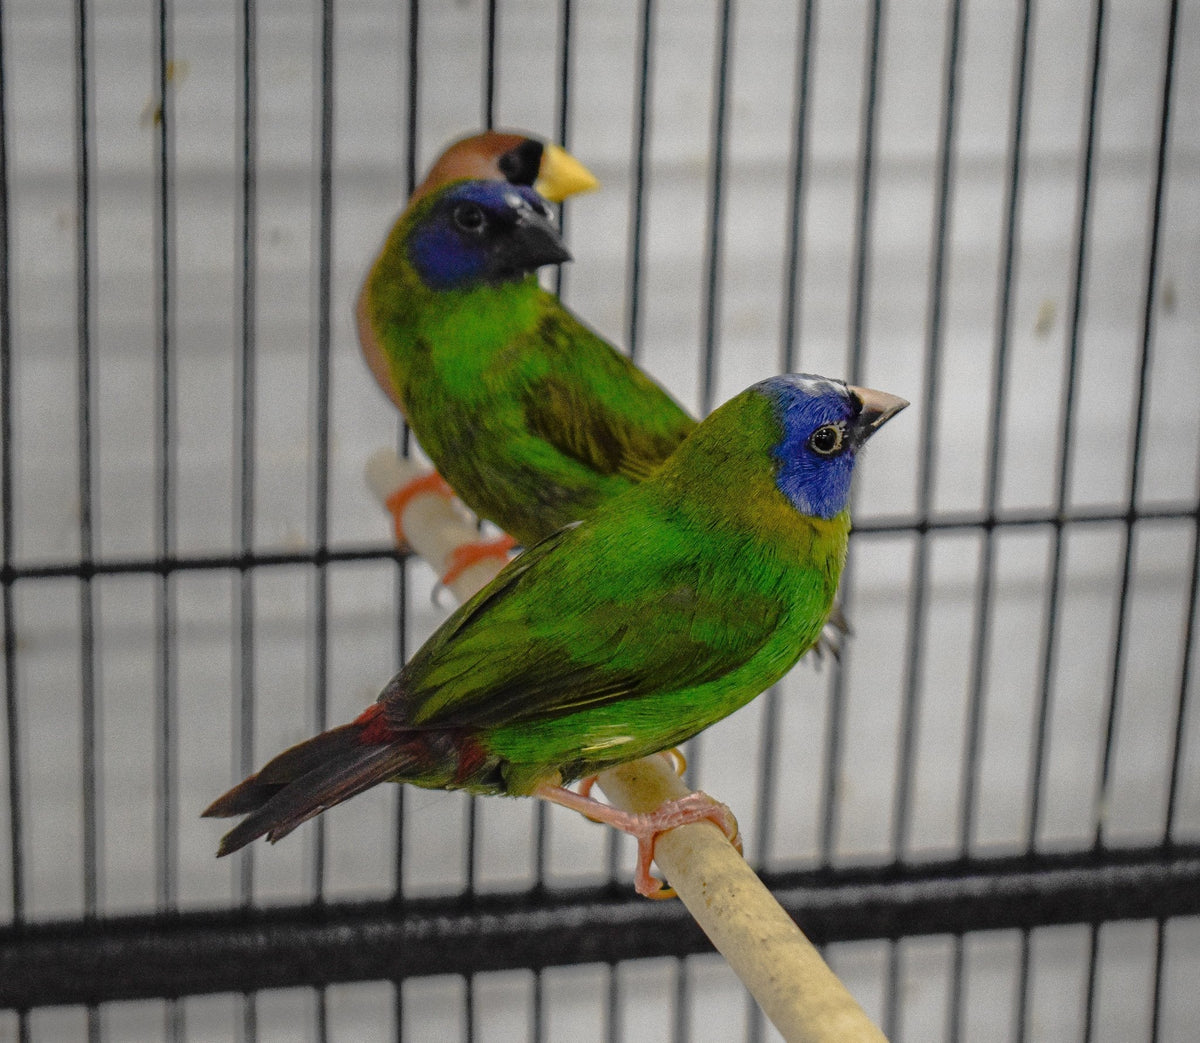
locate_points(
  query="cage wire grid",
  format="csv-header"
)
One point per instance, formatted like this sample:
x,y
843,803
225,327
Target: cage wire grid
x,y
988,811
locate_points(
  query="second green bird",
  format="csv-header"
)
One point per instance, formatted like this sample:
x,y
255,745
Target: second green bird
x,y
532,417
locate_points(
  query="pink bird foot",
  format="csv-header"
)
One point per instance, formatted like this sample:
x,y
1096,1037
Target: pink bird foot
x,y
647,828
432,483
467,554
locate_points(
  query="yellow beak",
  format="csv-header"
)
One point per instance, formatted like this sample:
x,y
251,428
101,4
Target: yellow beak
x,y
561,175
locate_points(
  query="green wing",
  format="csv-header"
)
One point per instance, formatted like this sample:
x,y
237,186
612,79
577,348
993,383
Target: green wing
x,y
596,406
551,636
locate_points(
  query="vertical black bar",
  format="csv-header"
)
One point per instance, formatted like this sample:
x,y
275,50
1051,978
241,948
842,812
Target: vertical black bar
x,y
612,853
833,739
414,95
84,422
12,722
1101,796
682,1019
789,353
713,252
764,798
1089,999
473,807
411,127
163,469
1160,931
612,1006
564,120
769,743
1065,440
1021,1023
489,64
858,311
633,297
1100,801
1065,443
16,813
244,419
321,455
244,440
470,857
537,1021
831,758
322,406
983,610
926,471
401,592
866,174
541,819
469,1016
167,724
710,338
992,475
541,846
612,845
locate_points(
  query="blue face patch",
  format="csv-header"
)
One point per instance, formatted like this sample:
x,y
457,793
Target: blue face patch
x,y
815,456
482,232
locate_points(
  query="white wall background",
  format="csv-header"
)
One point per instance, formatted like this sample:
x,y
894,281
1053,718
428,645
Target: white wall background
x,y
368,188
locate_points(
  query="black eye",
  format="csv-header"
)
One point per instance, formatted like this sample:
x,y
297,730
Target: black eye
x,y
468,217
827,440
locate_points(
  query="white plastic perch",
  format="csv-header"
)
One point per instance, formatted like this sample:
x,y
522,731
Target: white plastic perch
x,y
781,968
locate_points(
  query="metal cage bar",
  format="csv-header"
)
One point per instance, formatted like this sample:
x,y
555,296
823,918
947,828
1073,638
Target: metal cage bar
x,y
194,953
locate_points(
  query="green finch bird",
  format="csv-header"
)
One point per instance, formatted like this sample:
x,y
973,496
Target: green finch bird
x,y
506,156
532,418
666,609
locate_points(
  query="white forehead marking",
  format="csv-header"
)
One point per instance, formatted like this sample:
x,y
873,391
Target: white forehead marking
x,y
809,383
812,386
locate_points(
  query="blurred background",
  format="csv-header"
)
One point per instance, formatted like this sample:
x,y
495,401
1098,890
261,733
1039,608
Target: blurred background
x,y
991,209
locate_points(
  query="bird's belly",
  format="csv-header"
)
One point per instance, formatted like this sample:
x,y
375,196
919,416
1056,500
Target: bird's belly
x,y
586,742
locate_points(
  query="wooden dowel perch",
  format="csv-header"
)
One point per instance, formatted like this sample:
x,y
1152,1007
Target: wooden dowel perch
x,y
781,968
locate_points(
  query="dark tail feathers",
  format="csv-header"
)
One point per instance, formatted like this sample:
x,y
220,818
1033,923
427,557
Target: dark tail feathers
x,y
305,780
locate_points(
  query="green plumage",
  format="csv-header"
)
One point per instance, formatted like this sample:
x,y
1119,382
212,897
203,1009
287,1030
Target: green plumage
x,y
671,606
531,417
626,635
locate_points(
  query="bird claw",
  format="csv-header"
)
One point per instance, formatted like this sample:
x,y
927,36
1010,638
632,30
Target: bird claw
x,y
695,807
833,634
677,759
646,828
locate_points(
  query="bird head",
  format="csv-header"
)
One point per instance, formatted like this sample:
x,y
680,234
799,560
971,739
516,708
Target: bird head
x,y
512,156
825,422
475,232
